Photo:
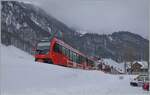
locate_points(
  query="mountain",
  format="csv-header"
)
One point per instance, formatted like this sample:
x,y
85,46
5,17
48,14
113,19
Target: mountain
x,y
24,24
118,45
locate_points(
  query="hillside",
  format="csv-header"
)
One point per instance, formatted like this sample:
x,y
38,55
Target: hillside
x,y
23,25
20,75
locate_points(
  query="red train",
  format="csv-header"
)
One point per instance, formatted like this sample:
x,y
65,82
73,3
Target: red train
x,y
58,52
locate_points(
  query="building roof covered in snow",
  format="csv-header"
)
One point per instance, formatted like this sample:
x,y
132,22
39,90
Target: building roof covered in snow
x,y
144,64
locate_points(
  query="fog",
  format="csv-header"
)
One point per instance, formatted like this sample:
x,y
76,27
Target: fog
x,y
100,16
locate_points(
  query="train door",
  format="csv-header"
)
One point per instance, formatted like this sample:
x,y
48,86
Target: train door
x,y
57,54
60,56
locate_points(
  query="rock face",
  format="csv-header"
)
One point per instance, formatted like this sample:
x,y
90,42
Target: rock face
x,y
23,25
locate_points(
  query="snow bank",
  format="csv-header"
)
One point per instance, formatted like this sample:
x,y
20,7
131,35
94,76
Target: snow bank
x,y
20,75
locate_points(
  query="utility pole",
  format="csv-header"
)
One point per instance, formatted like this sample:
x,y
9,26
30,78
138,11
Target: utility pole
x,y
125,67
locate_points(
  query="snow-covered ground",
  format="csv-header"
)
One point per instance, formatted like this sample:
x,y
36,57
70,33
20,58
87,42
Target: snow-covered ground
x,y
20,75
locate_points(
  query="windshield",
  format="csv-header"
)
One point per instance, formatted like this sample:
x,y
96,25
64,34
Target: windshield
x,y
43,45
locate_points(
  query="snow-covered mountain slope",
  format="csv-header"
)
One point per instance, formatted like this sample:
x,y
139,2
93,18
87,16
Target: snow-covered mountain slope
x,y
20,75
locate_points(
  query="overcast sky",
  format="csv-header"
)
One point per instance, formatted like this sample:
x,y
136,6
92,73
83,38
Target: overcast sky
x,y
100,16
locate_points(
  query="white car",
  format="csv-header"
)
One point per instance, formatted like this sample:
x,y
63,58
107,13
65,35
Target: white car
x,y
139,81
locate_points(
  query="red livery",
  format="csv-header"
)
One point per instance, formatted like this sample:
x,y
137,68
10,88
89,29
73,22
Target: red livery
x,y
58,52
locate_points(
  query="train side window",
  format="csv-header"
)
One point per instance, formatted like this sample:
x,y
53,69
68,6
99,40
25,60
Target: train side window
x,y
83,59
56,47
77,58
80,61
71,55
74,57
87,61
63,50
67,52
60,49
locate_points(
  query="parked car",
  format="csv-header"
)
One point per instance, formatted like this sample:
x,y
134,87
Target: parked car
x,y
139,80
146,86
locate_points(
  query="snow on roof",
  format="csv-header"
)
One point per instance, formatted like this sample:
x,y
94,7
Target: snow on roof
x,y
143,63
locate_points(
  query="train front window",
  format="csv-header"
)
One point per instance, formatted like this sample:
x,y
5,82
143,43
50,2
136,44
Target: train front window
x,y
43,47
